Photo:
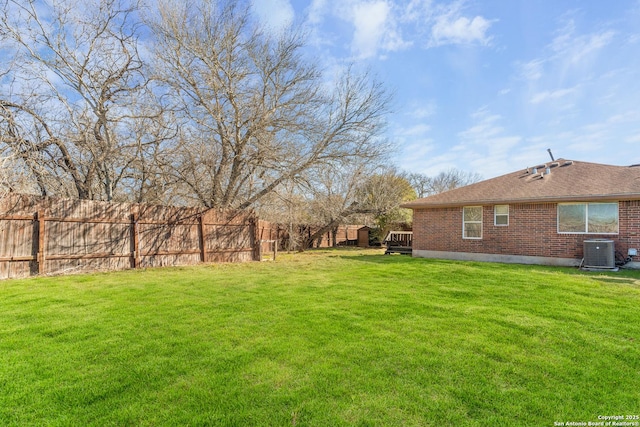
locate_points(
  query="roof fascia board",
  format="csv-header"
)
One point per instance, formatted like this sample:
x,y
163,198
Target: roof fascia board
x,y
590,198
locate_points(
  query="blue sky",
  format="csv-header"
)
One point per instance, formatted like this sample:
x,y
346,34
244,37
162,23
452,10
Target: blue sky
x,y
488,86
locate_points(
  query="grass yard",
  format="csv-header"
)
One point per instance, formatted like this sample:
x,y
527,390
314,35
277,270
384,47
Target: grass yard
x,y
323,338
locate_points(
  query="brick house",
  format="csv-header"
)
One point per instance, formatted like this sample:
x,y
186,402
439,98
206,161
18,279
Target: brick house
x,y
538,215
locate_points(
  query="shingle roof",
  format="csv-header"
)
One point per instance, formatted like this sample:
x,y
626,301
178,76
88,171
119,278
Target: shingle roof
x,y
566,181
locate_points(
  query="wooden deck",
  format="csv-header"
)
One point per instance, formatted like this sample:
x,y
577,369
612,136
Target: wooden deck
x,y
399,242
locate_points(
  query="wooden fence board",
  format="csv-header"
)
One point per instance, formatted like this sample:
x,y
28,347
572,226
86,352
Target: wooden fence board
x,y
42,241
135,238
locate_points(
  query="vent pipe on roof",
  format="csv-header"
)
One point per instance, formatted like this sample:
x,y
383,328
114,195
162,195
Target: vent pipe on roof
x,y
551,154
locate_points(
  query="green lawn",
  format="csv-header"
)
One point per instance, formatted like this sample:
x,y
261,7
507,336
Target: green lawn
x,y
323,338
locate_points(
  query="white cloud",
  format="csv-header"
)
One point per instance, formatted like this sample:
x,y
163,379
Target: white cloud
x,y
552,95
316,11
422,110
532,70
417,9
461,30
412,157
369,20
586,141
383,26
416,130
274,14
485,146
573,90
629,116
485,126
451,27
574,48
634,139
375,27
568,61
576,78
610,129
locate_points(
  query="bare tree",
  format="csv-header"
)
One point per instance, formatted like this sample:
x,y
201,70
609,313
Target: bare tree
x,y
389,190
363,190
230,114
287,206
332,194
76,75
421,183
254,114
13,177
448,180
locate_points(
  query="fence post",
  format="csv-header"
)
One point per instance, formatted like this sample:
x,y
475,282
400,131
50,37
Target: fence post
x,y
275,249
42,241
135,255
203,241
257,243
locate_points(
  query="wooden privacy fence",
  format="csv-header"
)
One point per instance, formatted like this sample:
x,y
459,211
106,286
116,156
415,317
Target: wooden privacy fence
x,y
345,235
274,236
51,236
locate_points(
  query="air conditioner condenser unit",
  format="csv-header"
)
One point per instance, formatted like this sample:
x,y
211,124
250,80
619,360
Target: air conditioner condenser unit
x,y
599,253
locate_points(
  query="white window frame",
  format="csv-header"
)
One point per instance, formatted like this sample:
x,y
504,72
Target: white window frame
x,y
586,231
496,215
464,222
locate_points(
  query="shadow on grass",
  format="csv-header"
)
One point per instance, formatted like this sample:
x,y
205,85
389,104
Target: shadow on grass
x,y
381,258
621,276
631,277
624,280
377,256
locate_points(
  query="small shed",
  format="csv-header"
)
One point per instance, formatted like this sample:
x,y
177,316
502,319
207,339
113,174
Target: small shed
x,y
363,237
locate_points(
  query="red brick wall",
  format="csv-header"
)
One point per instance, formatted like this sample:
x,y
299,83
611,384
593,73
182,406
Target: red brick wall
x,y
532,231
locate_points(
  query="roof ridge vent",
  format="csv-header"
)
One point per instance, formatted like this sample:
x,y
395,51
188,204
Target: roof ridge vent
x,y
567,163
535,176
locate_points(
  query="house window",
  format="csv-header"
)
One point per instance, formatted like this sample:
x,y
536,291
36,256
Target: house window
x,y
596,218
501,215
472,222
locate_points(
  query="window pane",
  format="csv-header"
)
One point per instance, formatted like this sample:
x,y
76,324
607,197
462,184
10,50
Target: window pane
x,y
473,230
502,209
572,218
501,214
603,217
473,213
